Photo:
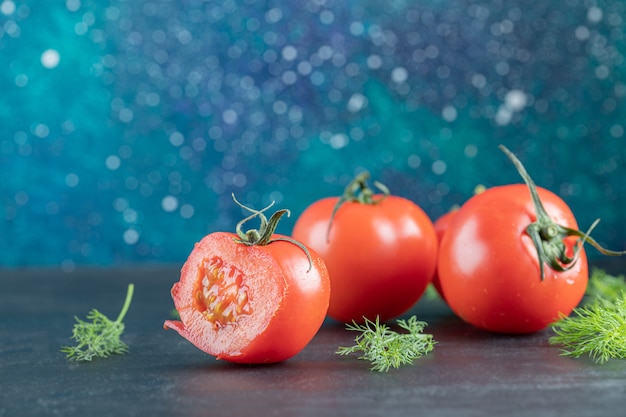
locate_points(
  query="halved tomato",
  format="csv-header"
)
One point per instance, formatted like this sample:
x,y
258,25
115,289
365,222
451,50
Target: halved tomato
x,y
253,297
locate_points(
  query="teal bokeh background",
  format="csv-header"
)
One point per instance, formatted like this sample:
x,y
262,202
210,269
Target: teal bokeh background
x,y
126,125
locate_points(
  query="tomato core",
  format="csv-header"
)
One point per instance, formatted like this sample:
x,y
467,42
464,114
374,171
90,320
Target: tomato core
x,y
221,293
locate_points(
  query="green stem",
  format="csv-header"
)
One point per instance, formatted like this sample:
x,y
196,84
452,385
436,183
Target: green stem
x,y
547,236
129,298
265,234
357,191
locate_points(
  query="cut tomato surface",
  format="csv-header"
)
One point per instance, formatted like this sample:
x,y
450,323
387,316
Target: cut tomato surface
x,y
249,303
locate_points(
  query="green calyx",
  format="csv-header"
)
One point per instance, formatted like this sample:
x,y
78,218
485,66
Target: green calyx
x,y
548,237
264,235
357,191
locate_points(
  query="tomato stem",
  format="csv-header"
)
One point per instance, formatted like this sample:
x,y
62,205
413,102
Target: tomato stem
x,y
357,191
548,236
265,234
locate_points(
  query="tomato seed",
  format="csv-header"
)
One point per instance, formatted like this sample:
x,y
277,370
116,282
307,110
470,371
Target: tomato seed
x,y
221,294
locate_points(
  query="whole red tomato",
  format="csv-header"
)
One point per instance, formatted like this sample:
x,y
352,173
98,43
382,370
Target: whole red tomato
x,y
441,226
488,266
380,251
253,297
511,260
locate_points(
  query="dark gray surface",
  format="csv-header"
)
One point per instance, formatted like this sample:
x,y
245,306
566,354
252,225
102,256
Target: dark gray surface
x,y
470,372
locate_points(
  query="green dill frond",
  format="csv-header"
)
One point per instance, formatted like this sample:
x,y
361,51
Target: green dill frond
x,y
99,337
597,330
431,293
385,348
604,286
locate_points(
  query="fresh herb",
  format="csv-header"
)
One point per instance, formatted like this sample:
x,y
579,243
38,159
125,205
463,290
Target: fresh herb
x,y
385,348
604,286
598,327
99,338
431,293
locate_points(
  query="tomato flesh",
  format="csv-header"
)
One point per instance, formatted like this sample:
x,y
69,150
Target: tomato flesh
x,y
250,304
489,269
221,294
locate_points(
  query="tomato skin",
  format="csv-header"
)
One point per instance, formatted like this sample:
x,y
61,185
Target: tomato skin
x,y
287,305
489,269
441,226
380,257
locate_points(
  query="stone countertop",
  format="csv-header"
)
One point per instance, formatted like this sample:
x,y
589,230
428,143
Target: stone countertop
x,y
470,372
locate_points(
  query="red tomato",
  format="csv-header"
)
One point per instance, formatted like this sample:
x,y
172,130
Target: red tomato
x,y
249,303
489,267
380,256
441,226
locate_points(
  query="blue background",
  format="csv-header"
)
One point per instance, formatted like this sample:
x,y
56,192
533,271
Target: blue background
x,y
126,125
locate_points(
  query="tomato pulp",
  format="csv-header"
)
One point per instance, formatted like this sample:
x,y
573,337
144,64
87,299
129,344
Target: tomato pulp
x,y
380,256
489,268
248,303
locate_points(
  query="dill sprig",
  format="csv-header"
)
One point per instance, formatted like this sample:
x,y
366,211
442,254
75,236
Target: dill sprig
x,y
385,348
99,337
604,286
431,293
597,329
